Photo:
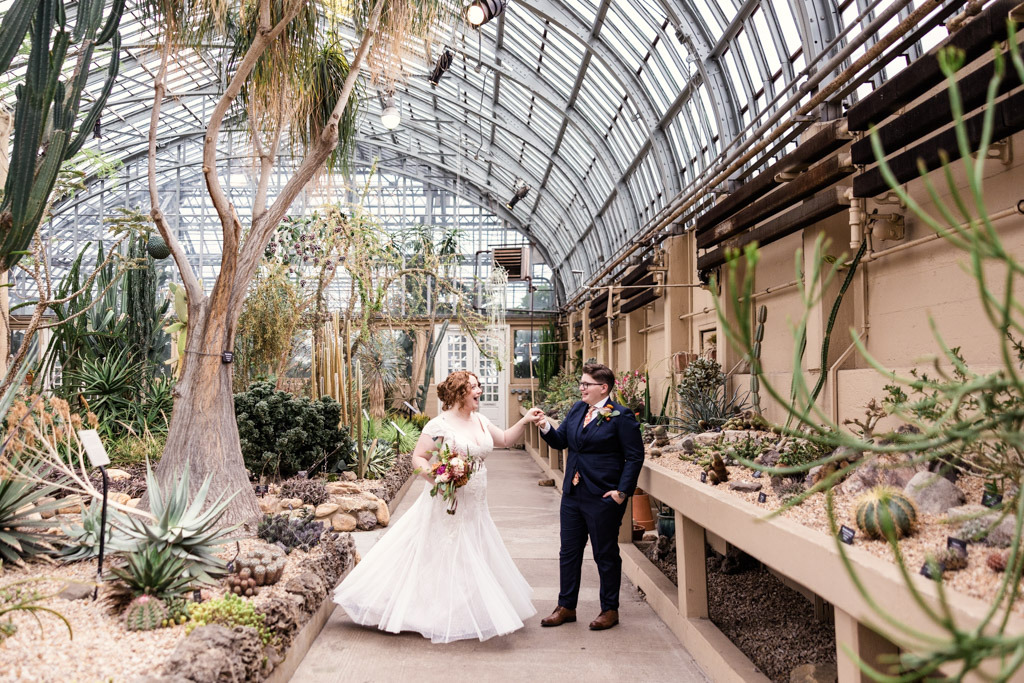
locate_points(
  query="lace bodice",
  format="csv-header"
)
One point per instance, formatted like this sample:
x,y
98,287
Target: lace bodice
x,y
475,442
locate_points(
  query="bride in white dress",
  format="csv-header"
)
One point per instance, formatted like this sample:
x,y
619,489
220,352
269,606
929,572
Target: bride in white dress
x,y
446,576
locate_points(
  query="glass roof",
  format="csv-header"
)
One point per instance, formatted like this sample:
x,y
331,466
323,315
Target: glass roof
x,y
608,109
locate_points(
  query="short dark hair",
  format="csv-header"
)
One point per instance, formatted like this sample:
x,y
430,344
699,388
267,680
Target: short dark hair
x,y
602,374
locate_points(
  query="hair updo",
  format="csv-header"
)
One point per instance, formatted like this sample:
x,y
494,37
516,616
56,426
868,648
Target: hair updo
x,y
455,388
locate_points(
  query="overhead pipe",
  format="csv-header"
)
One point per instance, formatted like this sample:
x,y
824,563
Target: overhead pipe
x,y
734,162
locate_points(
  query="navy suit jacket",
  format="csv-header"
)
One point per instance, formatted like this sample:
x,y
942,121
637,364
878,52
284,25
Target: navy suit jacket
x,y
608,454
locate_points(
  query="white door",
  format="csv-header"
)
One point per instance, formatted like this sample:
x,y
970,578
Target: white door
x,y
460,353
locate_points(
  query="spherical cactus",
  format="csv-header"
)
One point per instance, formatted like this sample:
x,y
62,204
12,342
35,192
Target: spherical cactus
x,y
997,561
157,248
145,613
951,559
886,507
265,565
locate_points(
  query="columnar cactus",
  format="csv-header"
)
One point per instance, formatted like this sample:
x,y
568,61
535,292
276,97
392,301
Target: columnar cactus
x,y
145,613
884,503
755,365
47,107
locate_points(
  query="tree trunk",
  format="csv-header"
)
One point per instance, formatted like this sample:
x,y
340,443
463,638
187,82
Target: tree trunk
x,y
203,432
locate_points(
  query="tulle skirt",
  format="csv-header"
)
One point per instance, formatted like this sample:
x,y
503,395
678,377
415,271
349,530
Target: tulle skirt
x,y
447,577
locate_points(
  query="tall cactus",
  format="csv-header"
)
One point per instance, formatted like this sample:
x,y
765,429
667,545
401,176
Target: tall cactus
x,y
755,360
47,109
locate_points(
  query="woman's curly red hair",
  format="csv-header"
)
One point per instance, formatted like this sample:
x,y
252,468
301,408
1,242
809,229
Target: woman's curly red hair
x,y
455,388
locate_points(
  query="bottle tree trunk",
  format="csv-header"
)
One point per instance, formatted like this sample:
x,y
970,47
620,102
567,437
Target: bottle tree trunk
x,y
203,432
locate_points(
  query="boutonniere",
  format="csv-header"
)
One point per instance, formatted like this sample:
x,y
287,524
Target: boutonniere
x,y
607,412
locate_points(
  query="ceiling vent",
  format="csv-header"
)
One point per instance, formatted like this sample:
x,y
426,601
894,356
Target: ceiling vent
x,y
514,260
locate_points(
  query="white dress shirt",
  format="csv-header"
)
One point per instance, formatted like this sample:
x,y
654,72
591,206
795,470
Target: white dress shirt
x,y
597,406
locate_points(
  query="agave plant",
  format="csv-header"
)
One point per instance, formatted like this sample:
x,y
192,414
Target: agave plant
x,y
19,501
380,458
108,384
186,530
152,571
84,539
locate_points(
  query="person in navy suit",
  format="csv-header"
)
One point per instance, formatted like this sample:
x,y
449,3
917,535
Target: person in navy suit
x,y
605,456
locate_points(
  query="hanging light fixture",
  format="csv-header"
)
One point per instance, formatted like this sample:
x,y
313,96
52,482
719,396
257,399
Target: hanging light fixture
x,y
482,11
390,117
444,62
520,194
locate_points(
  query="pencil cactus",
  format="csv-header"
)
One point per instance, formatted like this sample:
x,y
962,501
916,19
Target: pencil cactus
x,y
885,508
47,108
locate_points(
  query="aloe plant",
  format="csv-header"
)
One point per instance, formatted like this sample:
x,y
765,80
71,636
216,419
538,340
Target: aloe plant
x,y
20,500
186,530
83,540
151,571
47,107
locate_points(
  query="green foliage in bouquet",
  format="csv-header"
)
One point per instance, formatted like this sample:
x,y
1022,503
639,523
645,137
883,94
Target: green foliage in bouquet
x,y
978,418
282,434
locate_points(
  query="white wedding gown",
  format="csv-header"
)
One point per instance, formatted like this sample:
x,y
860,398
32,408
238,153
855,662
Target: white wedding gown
x,y
448,577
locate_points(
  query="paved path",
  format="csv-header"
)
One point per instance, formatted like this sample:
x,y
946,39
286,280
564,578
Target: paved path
x,y
640,648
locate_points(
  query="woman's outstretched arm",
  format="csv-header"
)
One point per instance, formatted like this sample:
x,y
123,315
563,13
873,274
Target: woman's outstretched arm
x,y
504,439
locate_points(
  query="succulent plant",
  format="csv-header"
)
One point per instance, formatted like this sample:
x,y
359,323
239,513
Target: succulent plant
x,y
84,539
19,499
748,419
184,528
997,561
151,571
177,611
951,559
288,533
145,613
311,491
157,247
266,564
718,473
229,611
885,509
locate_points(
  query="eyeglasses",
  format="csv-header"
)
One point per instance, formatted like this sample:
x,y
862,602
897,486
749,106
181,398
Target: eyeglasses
x,y
584,385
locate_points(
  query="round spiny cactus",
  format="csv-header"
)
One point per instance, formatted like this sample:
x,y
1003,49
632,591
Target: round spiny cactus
x,y
886,508
157,247
145,613
951,559
997,561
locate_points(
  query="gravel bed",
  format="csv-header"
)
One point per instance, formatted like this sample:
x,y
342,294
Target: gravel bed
x,y
976,580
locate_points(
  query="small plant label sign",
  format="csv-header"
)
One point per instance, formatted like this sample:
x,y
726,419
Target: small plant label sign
x,y
757,474
762,498
197,596
958,543
846,534
991,500
703,477
928,567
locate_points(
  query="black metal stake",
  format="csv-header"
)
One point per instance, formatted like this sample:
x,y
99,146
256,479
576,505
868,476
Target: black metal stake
x,y
103,529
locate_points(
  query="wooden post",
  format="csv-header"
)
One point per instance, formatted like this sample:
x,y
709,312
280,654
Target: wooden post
x,y
626,528
691,568
862,641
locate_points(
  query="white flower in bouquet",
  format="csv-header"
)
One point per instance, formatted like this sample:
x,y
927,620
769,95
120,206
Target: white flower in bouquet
x,y
442,478
457,466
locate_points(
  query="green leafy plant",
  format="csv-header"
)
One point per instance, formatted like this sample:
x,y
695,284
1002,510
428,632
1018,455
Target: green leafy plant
x,y
145,613
230,611
17,597
632,388
154,571
182,528
107,385
282,435
20,500
380,458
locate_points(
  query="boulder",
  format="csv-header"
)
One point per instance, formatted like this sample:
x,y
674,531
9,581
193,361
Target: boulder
x,y
655,453
354,504
326,510
342,521
769,458
383,514
821,672
71,505
348,476
309,587
706,439
115,474
214,653
118,497
282,614
341,487
745,486
268,504
933,493
46,500
882,470
688,445
963,513
287,504
76,591
366,520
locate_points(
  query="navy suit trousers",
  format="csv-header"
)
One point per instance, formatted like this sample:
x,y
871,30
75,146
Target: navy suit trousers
x,y
584,515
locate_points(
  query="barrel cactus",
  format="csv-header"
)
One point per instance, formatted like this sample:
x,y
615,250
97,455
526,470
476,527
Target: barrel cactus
x,y
145,613
157,247
885,506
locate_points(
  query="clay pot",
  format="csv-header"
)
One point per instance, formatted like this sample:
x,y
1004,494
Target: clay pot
x,y
642,511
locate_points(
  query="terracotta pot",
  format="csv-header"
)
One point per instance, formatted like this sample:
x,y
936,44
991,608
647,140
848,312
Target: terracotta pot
x,y
642,511
638,532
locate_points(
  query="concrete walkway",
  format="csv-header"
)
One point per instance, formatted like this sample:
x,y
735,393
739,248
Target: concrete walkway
x,y
641,647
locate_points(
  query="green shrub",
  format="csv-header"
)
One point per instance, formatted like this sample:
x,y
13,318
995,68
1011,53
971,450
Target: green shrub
x,y
282,435
229,611
132,450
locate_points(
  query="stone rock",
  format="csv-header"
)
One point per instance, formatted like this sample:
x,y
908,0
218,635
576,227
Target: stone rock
x,y
134,502
688,445
343,522
214,653
812,475
655,453
283,615
309,508
880,471
706,439
46,500
326,510
745,486
341,487
933,493
366,520
848,454
117,475
71,505
823,672
769,458
268,504
1002,535
545,482
76,591
287,504
118,497
356,504
309,587
348,476
963,513
383,514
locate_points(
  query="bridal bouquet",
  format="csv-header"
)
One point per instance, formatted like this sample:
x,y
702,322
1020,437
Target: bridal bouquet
x,y
451,472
